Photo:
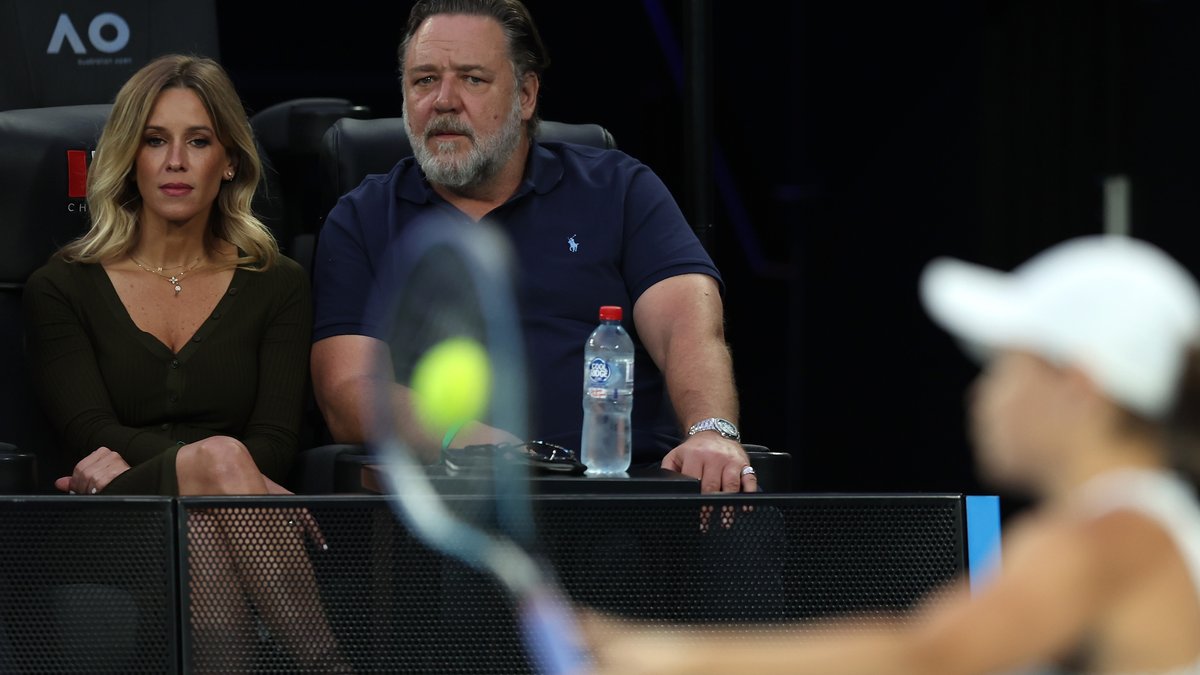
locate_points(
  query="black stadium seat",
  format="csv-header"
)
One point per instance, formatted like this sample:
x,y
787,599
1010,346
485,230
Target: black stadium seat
x,y
43,170
290,135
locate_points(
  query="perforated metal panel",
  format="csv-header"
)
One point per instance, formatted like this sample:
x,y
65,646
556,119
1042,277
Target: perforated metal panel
x,y
87,585
388,604
753,560
250,591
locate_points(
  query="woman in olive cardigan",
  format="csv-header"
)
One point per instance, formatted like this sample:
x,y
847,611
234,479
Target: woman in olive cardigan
x,y
169,345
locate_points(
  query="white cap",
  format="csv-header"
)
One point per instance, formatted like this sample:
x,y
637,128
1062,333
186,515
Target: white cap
x,y
1117,308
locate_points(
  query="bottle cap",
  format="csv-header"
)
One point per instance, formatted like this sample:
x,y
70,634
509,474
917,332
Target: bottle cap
x,y
610,313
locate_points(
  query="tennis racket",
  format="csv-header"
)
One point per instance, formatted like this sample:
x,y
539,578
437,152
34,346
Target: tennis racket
x,y
452,280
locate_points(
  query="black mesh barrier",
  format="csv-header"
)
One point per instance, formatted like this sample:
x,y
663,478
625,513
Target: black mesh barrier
x,y
754,560
337,584
87,585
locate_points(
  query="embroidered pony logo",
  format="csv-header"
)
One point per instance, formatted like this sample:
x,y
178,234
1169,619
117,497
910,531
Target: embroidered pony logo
x,y
573,245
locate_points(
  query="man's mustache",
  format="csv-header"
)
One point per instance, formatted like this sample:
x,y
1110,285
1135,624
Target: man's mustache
x,y
453,125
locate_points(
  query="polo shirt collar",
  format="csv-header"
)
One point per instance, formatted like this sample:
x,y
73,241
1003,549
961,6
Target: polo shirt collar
x,y
543,171
412,185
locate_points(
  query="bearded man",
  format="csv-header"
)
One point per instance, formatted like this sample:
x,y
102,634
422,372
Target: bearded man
x,y
589,227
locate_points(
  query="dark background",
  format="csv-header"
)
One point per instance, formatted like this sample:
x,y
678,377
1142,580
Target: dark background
x,y
854,142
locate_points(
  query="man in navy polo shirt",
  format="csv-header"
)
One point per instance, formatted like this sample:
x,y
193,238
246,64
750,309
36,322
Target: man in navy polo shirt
x,y
589,227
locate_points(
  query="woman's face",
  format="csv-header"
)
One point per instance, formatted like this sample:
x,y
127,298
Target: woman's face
x,y
1019,406
180,163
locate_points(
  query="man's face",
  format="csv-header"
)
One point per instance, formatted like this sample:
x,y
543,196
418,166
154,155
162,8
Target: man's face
x,y
463,108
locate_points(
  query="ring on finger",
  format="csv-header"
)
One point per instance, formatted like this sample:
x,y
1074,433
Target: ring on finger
x,y
748,470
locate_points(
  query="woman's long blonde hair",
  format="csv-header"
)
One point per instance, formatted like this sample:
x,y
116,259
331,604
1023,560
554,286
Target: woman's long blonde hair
x,y
112,193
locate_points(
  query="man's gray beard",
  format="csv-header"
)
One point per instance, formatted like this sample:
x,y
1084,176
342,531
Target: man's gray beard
x,y
484,157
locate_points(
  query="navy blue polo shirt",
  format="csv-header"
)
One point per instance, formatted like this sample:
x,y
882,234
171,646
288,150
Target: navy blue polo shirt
x,y
589,227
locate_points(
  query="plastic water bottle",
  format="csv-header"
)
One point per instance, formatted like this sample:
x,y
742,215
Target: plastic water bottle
x,y
607,397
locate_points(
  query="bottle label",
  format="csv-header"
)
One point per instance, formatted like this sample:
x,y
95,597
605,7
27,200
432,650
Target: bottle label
x,y
598,371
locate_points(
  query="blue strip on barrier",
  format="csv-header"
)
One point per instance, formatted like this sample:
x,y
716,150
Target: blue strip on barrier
x,y
983,539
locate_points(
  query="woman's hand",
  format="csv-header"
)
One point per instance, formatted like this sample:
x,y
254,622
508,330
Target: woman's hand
x,y
93,473
300,517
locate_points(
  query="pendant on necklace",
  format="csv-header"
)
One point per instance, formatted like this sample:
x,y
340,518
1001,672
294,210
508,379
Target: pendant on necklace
x,y
175,280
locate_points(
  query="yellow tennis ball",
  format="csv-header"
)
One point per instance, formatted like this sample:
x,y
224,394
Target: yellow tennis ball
x,y
450,384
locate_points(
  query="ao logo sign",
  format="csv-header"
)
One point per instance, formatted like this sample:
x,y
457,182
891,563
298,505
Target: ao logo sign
x,y
64,31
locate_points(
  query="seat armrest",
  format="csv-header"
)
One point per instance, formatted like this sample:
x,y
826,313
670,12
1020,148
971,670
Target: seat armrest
x,y
773,469
315,469
335,468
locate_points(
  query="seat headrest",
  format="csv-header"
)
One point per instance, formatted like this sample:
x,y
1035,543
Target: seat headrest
x,y
43,169
296,126
353,149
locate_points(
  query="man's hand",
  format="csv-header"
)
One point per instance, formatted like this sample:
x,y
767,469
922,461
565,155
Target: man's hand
x,y
93,473
715,460
478,433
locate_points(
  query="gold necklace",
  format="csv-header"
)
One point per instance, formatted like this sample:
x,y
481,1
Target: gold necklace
x,y
174,279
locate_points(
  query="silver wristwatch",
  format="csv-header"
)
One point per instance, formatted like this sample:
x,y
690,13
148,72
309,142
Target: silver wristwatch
x,y
723,427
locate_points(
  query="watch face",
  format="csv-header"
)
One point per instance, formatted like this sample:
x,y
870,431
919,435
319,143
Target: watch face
x,y
726,428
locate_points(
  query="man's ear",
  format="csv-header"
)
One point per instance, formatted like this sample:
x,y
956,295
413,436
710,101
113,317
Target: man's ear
x,y
530,85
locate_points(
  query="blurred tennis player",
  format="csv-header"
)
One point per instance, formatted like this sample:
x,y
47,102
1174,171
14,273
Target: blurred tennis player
x,y
1089,400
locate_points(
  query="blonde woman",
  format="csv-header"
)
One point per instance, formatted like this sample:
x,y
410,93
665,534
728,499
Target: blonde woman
x,y
1090,382
169,344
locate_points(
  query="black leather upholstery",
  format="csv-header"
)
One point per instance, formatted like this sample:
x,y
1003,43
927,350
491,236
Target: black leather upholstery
x,y
37,215
774,469
300,124
290,135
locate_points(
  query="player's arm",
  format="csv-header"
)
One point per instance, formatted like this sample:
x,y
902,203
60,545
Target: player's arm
x,y
1032,613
